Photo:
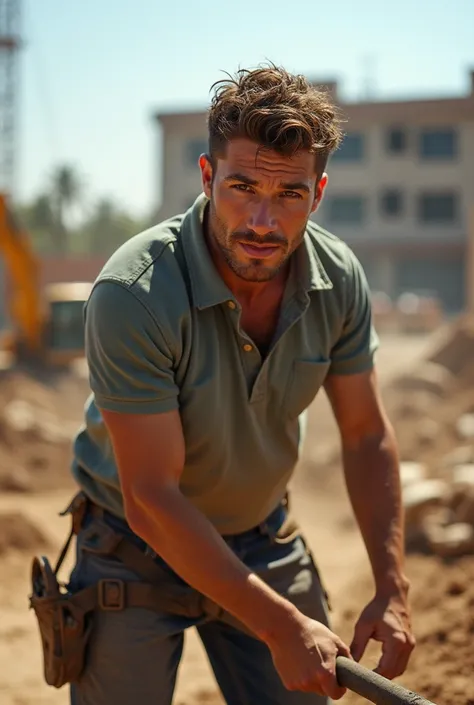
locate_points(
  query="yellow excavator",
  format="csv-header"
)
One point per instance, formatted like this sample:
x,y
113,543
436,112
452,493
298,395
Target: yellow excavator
x,y
47,321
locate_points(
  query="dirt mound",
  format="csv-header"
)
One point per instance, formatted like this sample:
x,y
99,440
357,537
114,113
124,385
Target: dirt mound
x,y
38,419
432,409
453,346
443,620
443,602
18,532
431,406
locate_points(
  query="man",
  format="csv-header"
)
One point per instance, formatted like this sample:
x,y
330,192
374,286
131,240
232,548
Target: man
x,y
207,337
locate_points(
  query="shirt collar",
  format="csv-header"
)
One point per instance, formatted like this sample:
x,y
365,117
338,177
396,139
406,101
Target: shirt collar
x,y
207,286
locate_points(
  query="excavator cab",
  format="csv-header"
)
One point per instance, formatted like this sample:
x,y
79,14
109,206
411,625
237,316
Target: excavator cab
x,y
63,331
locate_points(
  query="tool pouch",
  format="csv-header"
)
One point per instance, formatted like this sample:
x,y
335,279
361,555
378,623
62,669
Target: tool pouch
x,y
64,625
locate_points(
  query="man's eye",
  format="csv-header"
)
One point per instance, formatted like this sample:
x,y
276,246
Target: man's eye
x,y
242,187
291,194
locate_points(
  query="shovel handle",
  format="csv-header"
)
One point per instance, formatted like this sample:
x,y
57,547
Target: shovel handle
x,y
374,687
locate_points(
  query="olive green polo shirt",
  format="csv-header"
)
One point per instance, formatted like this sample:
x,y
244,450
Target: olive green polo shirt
x,y
163,333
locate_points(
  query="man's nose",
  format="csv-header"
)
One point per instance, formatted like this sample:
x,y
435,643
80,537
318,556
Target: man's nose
x,y
261,219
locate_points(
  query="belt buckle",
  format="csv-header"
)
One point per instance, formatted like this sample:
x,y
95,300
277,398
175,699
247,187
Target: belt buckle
x,y
111,595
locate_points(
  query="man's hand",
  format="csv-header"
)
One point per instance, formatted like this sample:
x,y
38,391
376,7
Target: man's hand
x,y
385,619
305,657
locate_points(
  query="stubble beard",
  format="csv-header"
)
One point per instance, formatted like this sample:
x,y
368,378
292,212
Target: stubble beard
x,y
256,271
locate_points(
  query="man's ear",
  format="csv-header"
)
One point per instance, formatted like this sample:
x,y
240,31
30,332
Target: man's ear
x,y
206,174
320,188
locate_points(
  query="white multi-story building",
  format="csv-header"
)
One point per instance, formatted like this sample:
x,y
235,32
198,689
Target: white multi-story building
x,y
399,193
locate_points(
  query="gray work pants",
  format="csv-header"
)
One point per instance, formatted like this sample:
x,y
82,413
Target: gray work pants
x,y
133,655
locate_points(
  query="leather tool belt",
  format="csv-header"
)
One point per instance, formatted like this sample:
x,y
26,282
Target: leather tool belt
x,y
65,618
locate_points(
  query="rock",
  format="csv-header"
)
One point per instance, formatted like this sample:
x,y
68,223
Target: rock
x,y
463,475
16,480
418,403
23,418
465,426
437,519
428,431
411,472
459,456
464,510
416,533
430,377
422,495
453,540
20,416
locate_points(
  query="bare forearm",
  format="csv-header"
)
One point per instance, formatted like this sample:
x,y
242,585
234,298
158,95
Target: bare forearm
x,y
372,476
188,542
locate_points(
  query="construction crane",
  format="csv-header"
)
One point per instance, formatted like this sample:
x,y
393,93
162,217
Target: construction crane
x,y
10,45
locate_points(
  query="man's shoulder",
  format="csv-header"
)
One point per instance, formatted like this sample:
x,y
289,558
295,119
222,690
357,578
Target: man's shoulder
x,y
154,246
151,264
336,256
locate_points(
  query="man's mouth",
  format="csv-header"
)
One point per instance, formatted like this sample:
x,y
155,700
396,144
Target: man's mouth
x,y
258,251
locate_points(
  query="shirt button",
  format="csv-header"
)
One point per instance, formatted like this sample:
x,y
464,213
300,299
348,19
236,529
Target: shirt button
x,y
247,347
231,304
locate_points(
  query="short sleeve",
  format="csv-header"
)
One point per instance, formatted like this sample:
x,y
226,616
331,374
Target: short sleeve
x,y
354,351
129,360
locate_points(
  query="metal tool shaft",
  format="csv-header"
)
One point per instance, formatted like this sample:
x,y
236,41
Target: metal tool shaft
x,y
374,687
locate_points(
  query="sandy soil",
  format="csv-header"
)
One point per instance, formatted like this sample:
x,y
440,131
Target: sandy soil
x,y
30,521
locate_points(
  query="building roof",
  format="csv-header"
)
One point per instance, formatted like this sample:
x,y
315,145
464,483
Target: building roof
x,y
433,110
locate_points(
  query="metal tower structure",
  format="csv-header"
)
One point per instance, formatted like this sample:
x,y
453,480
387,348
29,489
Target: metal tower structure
x,y
9,68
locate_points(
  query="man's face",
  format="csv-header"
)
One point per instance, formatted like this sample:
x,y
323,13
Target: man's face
x,y
259,206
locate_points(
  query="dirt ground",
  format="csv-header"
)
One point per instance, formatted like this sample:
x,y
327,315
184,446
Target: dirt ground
x,y
34,458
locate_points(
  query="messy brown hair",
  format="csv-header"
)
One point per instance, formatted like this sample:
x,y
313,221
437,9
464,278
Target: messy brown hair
x,y
275,109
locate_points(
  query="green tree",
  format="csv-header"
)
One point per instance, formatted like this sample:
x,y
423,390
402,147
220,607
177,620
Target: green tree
x,y
37,218
109,226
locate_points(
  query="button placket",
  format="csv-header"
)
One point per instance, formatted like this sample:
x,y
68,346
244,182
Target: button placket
x,y
251,362
250,355
294,311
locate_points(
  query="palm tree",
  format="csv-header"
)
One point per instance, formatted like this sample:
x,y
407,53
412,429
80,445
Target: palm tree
x,y
67,190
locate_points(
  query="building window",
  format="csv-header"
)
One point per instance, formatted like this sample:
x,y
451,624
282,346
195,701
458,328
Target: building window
x,y
346,210
396,140
391,202
437,208
351,149
194,149
438,143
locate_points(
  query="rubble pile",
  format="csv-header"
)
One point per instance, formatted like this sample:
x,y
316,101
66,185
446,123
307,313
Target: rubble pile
x,y
432,409
38,419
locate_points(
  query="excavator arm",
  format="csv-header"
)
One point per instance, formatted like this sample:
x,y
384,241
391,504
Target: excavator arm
x,y
25,305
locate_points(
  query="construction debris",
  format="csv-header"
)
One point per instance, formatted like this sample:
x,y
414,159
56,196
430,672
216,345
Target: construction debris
x,y
38,420
432,409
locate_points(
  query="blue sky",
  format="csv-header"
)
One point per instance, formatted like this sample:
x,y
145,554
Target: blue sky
x,y
93,72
